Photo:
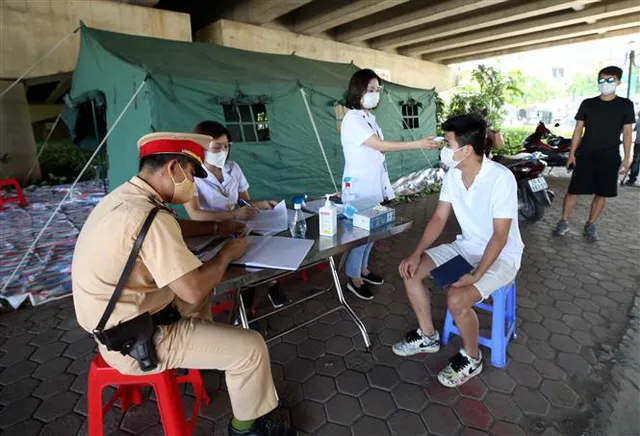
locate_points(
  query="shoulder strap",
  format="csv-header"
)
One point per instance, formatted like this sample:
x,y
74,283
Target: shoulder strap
x,y
127,269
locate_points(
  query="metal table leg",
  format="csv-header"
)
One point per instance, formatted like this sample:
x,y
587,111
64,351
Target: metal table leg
x,y
345,305
244,319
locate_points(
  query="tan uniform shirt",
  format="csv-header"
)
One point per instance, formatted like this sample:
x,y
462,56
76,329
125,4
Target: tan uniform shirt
x,y
104,245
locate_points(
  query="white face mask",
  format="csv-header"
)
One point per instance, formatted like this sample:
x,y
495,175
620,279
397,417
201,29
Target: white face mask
x,y
446,157
216,159
370,100
607,88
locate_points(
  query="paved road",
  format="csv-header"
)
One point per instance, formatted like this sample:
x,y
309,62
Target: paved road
x,y
574,304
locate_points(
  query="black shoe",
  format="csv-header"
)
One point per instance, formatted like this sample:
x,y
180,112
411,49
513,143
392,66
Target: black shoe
x,y
372,279
277,297
264,427
362,292
630,182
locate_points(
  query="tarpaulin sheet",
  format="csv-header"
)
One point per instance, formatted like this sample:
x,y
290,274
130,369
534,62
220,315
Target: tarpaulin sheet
x,y
46,274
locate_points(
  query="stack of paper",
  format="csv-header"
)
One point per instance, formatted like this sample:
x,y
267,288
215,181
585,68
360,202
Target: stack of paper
x,y
271,222
275,252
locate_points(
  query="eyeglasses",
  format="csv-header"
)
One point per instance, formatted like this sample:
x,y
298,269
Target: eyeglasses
x,y
372,89
607,80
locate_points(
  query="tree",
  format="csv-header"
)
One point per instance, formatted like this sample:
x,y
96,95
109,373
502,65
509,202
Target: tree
x,y
486,95
534,90
583,84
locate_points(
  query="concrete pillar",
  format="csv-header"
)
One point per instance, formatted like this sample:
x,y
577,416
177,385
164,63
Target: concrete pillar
x,y
17,144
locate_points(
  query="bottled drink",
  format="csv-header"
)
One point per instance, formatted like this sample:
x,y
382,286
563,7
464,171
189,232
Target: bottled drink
x,y
348,198
298,226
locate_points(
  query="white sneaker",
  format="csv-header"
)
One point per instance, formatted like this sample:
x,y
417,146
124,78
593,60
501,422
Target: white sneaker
x,y
462,368
416,342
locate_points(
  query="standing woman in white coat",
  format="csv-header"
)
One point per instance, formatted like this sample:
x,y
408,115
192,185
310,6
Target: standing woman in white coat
x,y
364,146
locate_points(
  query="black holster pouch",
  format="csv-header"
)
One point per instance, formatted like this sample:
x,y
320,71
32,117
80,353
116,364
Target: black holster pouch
x,y
133,337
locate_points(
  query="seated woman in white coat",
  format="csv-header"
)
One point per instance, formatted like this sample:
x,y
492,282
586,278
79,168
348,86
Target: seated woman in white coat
x,y
218,196
364,146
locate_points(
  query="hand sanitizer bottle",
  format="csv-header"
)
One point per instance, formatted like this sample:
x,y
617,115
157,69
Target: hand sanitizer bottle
x,y
328,218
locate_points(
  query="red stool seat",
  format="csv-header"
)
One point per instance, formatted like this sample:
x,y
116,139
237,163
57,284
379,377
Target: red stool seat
x,y
165,385
18,198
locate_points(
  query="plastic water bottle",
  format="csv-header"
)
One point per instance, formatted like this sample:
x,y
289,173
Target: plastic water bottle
x,y
298,226
347,198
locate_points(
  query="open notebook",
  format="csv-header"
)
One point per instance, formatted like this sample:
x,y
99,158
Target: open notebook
x,y
275,252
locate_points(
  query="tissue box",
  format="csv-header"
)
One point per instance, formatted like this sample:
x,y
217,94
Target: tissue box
x,y
371,219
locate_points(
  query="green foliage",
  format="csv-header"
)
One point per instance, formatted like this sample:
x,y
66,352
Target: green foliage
x,y
583,84
440,112
534,90
61,162
513,138
429,190
486,95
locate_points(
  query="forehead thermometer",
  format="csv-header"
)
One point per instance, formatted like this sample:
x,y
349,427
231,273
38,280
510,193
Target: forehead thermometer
x,y
438,139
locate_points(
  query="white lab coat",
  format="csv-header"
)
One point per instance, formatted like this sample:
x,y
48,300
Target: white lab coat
x,y
365,165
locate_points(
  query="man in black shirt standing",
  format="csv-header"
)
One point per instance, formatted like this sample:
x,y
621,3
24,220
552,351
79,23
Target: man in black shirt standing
x,y
595,157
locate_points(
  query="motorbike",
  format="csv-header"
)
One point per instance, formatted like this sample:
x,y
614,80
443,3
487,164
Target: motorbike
x,y
554,148
533,192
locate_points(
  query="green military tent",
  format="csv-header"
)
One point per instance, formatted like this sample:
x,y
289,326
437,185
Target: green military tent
x,y
278,108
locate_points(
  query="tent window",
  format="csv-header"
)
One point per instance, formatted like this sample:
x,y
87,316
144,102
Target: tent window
x,y
247,122
340,113
410,119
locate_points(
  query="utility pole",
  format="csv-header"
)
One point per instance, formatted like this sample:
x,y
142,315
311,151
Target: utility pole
x,y
632,58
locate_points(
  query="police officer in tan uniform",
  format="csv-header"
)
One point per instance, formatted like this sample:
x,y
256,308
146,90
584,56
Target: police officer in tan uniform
x,y
168,278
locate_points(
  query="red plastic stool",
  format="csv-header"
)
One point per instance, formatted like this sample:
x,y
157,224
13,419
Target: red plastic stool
x,y
165,385
18,198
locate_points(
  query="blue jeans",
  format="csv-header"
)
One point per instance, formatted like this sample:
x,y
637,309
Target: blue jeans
x,y
357,260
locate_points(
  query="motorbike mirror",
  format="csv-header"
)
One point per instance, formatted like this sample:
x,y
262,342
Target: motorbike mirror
x,y
557,124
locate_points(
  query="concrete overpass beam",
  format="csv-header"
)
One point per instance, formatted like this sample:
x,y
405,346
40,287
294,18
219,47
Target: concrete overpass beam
x,y
263,11
320,16
544,45
478,21
409,15
406,71
528,26
628,21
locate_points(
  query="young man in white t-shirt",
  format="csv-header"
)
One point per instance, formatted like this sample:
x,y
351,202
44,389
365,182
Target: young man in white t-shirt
x,y
483,197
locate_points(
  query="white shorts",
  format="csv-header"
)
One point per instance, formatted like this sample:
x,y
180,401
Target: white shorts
x,y
501,273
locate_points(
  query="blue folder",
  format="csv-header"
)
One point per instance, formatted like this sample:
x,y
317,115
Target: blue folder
x,y
451,271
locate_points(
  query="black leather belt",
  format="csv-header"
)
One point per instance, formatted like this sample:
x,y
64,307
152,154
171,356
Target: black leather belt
x,y
167,316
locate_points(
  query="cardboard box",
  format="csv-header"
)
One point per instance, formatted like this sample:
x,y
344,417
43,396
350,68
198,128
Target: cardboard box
x,y
371,219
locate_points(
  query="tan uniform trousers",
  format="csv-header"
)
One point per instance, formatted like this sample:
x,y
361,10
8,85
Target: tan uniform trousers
x,y
196,342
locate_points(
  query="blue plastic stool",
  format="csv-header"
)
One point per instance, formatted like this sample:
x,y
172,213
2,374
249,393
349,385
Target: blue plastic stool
x,y
503,309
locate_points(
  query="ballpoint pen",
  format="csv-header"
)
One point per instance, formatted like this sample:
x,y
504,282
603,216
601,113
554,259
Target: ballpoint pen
x,y
246,203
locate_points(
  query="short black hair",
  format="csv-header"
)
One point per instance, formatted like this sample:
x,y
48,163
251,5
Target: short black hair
x,y
154,162
469,130
611,70
211,128
358,87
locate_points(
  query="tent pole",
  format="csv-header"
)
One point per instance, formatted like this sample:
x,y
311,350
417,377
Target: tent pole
x,y
46,141
31,68
410,132
315,129
46,225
